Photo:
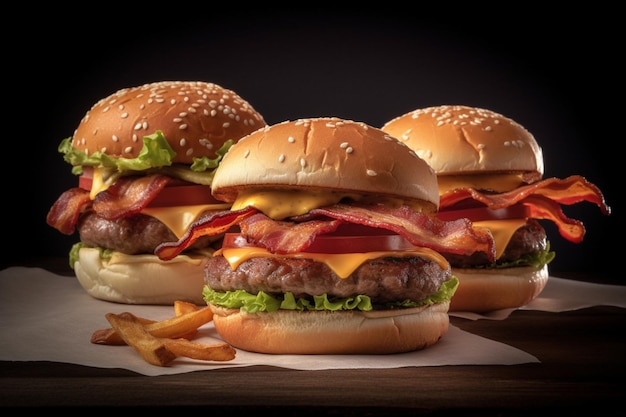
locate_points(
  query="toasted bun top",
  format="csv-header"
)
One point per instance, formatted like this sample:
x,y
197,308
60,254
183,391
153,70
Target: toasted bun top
x,y
467,140
328,154
195,117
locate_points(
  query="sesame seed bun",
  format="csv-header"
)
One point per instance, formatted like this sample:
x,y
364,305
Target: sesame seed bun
x,y
484,290
333,332
470,147
307,153
195,117
460,140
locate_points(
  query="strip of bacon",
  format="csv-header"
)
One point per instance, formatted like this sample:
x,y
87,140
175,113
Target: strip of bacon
x,y
541,207
282,236
457,236
210,224
571,190
64,213
542,199
129,195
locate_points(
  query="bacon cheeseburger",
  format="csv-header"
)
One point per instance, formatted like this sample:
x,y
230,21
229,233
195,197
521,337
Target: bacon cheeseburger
x,y
331,243
145,157
490,171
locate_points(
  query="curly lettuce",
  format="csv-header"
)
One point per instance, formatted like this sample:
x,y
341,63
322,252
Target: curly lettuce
x,y
155,154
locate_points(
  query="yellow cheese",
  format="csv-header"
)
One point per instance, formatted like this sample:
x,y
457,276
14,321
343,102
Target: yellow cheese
x,y
499,183
179,218
97,183
342,264
282,204
502,231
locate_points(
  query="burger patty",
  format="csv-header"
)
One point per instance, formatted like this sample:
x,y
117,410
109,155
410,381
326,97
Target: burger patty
x,y
528,239
383,279
131,235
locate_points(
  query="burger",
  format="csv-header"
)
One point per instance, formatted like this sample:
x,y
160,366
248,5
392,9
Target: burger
x,y
490,170
145,158
331,245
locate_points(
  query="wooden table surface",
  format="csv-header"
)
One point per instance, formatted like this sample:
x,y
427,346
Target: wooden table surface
x,y
582,355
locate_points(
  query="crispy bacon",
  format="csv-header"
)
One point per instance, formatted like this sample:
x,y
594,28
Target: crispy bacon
x,y
542,198
129,195
570,190
456,236
64,213
283,236
210,224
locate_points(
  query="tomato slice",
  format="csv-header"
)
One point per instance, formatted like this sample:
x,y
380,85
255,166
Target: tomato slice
x,y
333,243
181,194
86,178
516,211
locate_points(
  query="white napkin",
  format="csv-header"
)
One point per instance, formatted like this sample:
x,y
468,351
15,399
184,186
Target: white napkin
x,y
48,317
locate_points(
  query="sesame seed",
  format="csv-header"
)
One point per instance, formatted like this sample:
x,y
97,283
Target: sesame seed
x,y
137,126
343,145
371,173
124,115
291,139
183,126
246,153
115,138
182,142
281,158
206,143
302,162
128,149
349,149
189,152
225,125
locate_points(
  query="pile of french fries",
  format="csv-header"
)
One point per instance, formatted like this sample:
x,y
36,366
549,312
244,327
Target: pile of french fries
x,y
160,342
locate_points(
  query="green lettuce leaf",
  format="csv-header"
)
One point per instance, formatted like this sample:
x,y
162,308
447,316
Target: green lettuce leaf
x,y
536,260
156,154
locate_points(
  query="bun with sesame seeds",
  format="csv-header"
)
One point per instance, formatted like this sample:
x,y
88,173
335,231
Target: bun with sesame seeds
x,y
146,157
490,171
332,244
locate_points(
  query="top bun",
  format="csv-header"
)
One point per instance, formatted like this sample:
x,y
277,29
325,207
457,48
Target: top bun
x,y
326,153
467,140
195,117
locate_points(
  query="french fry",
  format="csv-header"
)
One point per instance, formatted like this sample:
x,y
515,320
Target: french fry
x,y
178,326
151,348
110,336
184,325
201,351
183,307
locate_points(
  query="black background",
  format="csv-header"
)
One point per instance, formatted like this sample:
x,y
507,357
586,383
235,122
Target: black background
x,y
557,74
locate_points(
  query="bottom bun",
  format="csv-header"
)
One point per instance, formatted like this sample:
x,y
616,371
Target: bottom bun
x,y
332,332
495,289
141,279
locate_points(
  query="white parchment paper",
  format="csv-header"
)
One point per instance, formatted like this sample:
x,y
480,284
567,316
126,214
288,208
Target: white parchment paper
x,y
48,317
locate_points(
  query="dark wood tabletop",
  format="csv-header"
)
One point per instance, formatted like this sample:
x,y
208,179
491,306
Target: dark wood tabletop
x,y
582,356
